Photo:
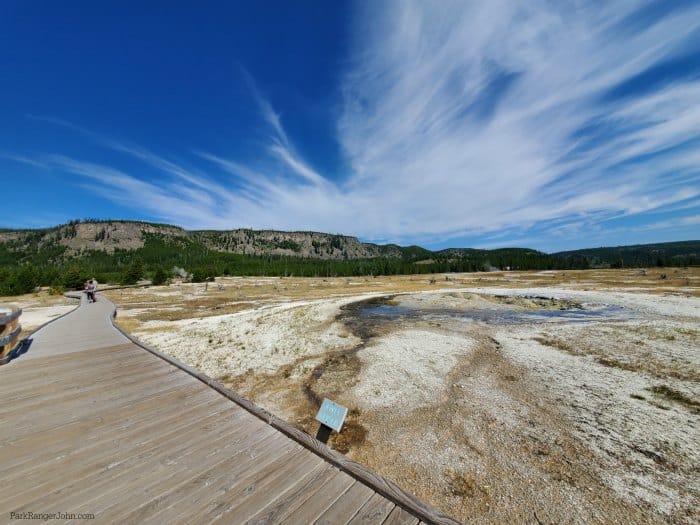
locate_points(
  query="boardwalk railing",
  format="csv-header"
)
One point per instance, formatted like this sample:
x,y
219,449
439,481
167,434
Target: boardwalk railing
x,y
10,330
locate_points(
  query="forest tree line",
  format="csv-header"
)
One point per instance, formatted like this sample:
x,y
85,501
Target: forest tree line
x,y
162,258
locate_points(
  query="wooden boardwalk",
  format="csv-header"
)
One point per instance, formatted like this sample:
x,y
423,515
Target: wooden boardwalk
x,y
91,423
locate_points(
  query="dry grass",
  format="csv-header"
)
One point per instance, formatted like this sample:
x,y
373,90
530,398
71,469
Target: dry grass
x,y
461,483
41,299
556,343
616,363
671,394
129,324
643,348
666,334
233,294
256,289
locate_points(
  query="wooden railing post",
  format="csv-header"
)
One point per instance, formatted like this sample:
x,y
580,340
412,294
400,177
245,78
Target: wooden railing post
x,y
10,330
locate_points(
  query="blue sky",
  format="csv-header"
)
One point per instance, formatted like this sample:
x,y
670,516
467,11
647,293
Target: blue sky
x,y
552,125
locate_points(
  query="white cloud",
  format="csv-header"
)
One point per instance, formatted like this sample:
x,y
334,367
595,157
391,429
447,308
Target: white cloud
x,y
692,220
170,201
280,145
23,159
298,166
463,118
419,125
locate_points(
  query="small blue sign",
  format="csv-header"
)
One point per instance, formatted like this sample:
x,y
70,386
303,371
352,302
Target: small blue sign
x,y
331,414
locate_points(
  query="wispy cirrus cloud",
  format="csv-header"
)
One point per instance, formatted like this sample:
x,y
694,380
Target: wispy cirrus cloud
x,y
500,113
170,200
279,144
466,119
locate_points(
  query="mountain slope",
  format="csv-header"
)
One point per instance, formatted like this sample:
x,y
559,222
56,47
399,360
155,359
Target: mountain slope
x,y
681,253
80,236
125,251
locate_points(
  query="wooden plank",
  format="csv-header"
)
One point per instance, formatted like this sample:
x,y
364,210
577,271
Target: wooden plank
x,y
29,381
90,393
58,343
77,407
71,451
279,509
399,516
183,395
278,489
101,379
88,358
374,511
320,500
26,381
237,483
243,444
46,364
346,506
38,444
260,447
266,485
76,380
140,480
68,447
92,478
67,344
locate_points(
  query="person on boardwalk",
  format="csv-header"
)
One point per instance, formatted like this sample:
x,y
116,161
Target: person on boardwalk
x,y
91,289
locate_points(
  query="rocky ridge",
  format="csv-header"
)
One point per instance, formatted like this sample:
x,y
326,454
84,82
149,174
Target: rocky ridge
x,y
78,237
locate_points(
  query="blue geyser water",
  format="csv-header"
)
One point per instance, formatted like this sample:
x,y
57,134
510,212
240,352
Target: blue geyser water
x,y
387,312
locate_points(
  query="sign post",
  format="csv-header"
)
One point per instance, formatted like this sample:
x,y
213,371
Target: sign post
x,y
331,416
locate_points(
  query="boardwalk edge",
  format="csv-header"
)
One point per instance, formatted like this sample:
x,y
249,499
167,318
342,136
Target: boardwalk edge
x,y
382,486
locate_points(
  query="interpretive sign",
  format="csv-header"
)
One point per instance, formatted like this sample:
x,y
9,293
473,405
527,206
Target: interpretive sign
x,y
331,414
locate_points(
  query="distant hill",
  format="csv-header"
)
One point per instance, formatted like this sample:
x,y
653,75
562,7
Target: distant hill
x,y
126,251
681,253
79,236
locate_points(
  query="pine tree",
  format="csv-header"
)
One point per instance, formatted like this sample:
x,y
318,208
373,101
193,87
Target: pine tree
x,y
160,276
133,273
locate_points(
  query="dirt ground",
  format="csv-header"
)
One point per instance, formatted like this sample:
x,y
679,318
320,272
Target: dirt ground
x,y
515,397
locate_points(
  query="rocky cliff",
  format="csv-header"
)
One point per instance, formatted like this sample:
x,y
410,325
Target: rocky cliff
x,y
80,236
